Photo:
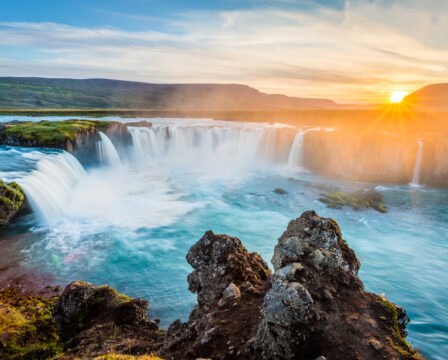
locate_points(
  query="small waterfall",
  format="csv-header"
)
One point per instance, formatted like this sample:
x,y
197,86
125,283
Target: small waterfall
x,y
417,165
295,158
107,153
48,188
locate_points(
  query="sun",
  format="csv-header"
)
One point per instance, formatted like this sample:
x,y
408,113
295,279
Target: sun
x,y
397,96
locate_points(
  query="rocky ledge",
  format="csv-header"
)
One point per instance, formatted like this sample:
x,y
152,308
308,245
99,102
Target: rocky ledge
x,y
76,136
312,307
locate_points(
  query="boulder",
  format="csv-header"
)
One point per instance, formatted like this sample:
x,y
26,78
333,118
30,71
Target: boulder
x,y
317,306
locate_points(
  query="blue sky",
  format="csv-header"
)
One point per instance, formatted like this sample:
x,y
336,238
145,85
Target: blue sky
x,y
350,51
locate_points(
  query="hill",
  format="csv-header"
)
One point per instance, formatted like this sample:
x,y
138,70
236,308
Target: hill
x,y
45,93
430,98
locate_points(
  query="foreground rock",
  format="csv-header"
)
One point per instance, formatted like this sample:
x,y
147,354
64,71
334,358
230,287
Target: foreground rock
x,y
317,305
12,198
312,307
230,284
95,320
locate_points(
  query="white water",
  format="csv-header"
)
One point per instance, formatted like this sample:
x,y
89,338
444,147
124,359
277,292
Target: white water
x,y
50,187
168,162
417,165
295,158
107,152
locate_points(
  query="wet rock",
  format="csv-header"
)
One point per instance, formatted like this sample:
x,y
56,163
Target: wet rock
x,y
280,191
369,198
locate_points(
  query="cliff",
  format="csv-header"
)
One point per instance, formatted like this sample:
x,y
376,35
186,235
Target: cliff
x,y
379,157
76,136
312,307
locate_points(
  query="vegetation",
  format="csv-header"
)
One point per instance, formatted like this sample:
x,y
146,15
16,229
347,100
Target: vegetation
x,y
27,330
11,199
357,200
398,341
48,133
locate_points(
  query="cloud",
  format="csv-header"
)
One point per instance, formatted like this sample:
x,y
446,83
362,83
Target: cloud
x,y
359,52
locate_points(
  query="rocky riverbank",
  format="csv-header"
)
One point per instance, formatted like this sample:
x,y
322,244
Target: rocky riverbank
x,y
312,307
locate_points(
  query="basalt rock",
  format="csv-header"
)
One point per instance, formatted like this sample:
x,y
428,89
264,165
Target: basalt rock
x,y
317,305
230,283
95,320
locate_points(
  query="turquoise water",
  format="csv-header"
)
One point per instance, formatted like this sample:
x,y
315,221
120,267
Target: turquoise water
x,y
131,225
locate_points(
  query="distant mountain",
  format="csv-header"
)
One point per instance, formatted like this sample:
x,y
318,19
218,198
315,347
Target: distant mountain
x,y
431,98
43,93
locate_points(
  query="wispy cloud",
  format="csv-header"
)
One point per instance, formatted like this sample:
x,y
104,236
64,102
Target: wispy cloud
x,y
357,53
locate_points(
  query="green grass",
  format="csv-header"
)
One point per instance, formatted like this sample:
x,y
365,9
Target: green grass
x,y
49,133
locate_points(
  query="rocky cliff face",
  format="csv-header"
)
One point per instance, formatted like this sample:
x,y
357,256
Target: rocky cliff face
x,y
380,157
312,307
79,137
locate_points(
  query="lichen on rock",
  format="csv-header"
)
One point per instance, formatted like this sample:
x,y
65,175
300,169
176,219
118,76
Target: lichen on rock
x,y
317,306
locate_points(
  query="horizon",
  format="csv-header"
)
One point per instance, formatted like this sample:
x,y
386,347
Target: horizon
x,y
351,53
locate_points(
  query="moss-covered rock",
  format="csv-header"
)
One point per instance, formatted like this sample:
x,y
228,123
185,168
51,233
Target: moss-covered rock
x,y
27,329
12,198
398,321
357,200
52,134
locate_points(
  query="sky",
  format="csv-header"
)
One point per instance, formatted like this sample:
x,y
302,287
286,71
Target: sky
x,y
353,51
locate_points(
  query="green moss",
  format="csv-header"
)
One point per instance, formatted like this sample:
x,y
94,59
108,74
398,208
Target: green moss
x,y
49,133
398,341
356,200
27,330
12,198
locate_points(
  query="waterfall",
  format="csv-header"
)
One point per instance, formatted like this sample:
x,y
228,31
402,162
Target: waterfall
x,y
107,153
417,165
231,143
295,158
48,188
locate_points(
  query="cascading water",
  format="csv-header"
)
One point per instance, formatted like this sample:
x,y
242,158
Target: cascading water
x,y
107,153
49,187
295,158
211,144
417,165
